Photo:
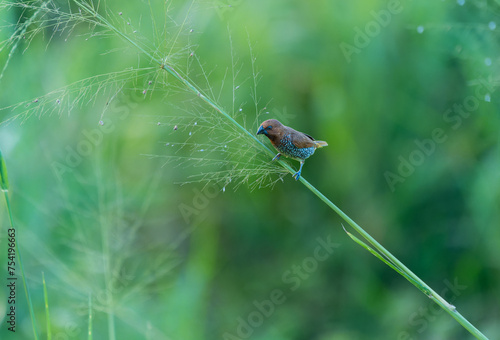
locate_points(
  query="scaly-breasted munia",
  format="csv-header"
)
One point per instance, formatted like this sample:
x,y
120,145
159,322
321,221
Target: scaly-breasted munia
x,y
289,142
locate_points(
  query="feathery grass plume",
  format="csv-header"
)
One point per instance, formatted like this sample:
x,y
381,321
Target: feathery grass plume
x,y
83,93
227,145
21,31
222,151
47,19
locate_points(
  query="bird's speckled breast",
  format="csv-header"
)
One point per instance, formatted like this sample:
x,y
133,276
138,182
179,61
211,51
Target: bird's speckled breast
x,y
288,149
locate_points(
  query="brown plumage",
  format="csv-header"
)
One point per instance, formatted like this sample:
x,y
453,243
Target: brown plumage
x,y
290,142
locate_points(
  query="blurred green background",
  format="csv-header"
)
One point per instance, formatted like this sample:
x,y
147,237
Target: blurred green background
x,y
406,95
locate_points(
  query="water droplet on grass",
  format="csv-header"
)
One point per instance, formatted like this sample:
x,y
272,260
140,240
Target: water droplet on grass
x,y
492,25
101,123
487,61
420,29
460,2
487,97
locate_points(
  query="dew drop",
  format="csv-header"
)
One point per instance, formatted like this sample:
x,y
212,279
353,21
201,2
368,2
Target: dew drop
x,y
190,133
120,13
167,144
150,82
237,87
224,189
492,25
144,92
487,61
158,123
58,101
420,29
175,128
191,30
460,2
487,97
240,110
35,101
225,146
195,123
201,150
101,123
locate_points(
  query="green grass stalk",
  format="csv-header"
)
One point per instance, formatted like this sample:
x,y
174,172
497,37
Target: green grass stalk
x,y
90,318
47,314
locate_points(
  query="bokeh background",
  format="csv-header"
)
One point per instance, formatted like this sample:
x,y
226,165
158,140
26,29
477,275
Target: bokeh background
x,y
404,92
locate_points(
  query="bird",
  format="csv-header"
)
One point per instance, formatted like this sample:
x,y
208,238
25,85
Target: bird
x,y
289,142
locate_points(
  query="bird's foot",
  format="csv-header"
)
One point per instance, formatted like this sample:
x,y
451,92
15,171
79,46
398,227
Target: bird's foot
x,y
277,157
297,175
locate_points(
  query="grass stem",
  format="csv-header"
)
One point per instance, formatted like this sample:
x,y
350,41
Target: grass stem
x,y
47,315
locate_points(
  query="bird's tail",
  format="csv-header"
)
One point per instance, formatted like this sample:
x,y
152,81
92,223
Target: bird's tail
x,y
319,144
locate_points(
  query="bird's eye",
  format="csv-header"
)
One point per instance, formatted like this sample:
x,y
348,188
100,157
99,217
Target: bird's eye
x,y
270,127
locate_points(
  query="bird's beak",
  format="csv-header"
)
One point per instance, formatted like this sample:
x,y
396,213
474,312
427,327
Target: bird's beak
x,y
261,130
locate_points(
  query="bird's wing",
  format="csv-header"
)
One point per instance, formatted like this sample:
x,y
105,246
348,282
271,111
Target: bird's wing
x,y
301,140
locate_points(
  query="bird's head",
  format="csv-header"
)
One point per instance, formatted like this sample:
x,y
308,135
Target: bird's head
x,y
272,128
